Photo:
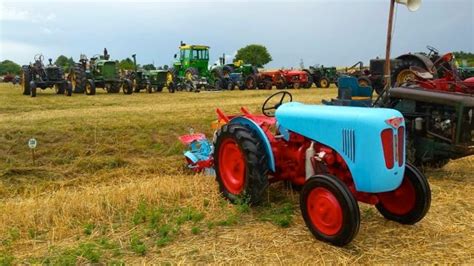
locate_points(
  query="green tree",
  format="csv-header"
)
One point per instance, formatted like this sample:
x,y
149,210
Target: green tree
x,y
9,67
64,62
149,67
126,64
463,56
254,54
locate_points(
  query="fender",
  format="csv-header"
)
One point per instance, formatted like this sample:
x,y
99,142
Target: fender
x,y
263,137
426,61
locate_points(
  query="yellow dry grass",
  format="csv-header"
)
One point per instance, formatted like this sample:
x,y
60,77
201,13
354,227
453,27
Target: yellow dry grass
x,y
109,186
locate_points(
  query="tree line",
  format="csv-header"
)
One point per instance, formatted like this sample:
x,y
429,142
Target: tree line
x,y
254,54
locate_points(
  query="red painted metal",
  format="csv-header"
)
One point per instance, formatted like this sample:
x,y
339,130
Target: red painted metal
x,y
387,144
232,166
400,201
324,211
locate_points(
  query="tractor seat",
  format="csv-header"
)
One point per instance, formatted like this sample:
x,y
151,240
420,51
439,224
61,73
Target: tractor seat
x,y
421,72
350,93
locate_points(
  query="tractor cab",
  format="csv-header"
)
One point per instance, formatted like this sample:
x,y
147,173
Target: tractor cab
x,y
193,56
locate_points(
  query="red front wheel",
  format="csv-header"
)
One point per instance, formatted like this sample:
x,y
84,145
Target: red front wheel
x,y
329,210
410,202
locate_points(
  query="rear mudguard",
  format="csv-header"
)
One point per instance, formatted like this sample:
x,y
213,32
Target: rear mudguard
x,y
240,120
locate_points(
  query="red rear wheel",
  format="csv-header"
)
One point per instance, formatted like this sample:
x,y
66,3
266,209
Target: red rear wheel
x,y
232,166
241,164
410,202
329,210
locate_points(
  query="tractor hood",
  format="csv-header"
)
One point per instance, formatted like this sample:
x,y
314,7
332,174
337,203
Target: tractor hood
x,y
356,134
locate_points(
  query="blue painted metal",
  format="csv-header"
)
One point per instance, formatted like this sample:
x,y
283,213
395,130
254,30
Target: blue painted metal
x,y
200,150
266,143
353,132
348,88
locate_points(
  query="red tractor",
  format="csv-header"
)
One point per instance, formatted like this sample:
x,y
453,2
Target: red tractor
x,y
285,78
449,82
339,155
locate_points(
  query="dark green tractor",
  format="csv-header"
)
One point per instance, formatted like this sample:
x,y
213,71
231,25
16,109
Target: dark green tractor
x,y
139,78
98,72
161,78
191,70
321,76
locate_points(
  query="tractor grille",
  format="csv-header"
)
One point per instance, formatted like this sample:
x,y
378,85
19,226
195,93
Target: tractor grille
x,y
109,71
348,143
53,73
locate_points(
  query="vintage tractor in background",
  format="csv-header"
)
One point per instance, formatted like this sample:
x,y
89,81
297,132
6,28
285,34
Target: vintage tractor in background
x,y
285,78
243,76
400,70
321,76
37,75
139,78
439,112
191,70
161,78
339,155
465,72
359,71
98,72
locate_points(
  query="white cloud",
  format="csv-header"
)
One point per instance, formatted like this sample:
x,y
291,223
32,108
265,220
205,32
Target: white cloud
x,y
18,51
8,13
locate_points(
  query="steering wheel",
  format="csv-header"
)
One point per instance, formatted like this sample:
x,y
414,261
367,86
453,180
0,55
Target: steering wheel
x,y
432,49
270,110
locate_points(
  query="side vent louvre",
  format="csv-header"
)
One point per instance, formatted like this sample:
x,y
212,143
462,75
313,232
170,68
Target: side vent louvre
x,y
348,143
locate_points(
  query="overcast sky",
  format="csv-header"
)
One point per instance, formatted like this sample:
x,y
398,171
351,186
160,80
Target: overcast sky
x,y
338,32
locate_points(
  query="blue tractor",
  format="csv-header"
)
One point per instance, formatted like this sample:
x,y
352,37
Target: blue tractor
x,y
339,155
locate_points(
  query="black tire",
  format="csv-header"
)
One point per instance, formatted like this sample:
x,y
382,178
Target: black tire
x,y
135,85
347,219
149,88
194,72
219,84
308,84
25,80
254,163
281,85
33,89
324,83
171,87
67,88
402,66
78,79
159,88
409,203
127,87
89,89
251,82
60,88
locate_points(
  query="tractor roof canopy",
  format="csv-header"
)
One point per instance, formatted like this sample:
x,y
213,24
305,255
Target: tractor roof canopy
x,y
194,47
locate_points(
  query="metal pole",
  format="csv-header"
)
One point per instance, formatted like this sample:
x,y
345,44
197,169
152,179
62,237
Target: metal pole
x,y
388,78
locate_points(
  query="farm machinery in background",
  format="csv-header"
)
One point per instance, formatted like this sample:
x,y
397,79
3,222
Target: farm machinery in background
x,y
150,80
98,72
438,105
328,151
321,76
37,75
139,78
286,78
191,71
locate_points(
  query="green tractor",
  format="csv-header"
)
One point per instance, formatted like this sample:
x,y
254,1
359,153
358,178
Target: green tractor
x,y
139,78
242,76
98,72
191,71
160,78
321,76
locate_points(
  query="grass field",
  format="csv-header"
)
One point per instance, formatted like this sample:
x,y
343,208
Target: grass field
x,y
109,186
